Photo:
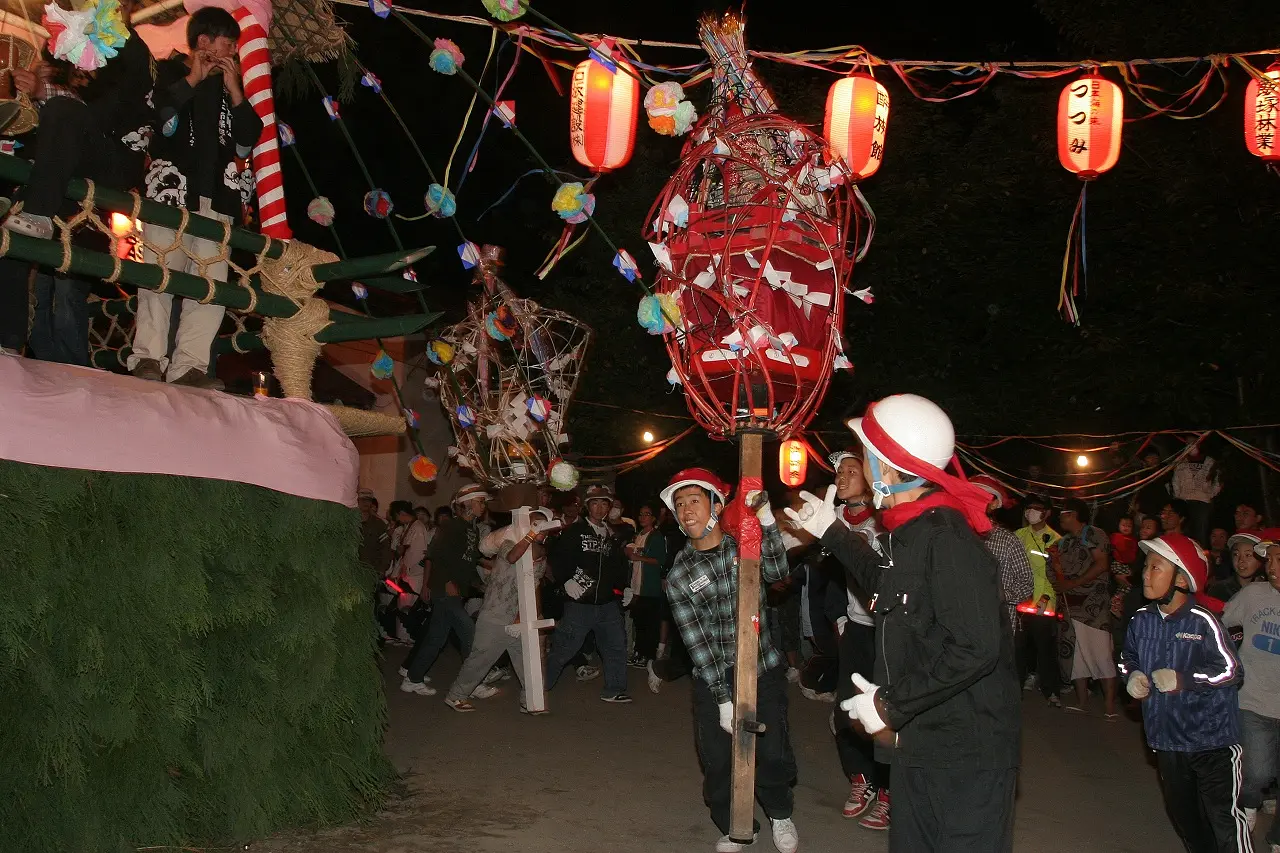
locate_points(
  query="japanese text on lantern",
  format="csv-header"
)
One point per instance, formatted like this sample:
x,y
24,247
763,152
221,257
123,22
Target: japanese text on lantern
x,y
879,125
1264,114
577,109
1085,101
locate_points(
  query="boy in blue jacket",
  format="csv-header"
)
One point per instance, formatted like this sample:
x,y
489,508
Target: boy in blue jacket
x,y
1177,646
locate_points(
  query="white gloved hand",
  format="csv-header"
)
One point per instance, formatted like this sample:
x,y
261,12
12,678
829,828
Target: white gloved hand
x,y
764,512
726,716
1138,685
840,623
817,514
1165,680
627,595
862,706
574,589
547,526
512,630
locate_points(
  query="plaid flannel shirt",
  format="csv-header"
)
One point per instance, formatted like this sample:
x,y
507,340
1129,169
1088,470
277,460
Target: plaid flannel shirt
x,y
1017,583
703,590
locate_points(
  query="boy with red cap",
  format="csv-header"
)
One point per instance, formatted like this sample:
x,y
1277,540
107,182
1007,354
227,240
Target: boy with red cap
x,y
1179,662
703,590
945,711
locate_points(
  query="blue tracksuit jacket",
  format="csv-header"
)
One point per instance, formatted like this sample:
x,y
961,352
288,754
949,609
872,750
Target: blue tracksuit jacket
x,y
1201,715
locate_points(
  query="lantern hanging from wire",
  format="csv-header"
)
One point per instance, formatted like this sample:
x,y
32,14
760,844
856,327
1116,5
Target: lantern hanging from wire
x,y
1261,111
1090,125
793,462
603,110
506,388
857,117
752,236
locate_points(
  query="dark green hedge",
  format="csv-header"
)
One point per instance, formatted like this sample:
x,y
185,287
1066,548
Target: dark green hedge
x,y
182,661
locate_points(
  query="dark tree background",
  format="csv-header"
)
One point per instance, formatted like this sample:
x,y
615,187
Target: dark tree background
x,y
973,212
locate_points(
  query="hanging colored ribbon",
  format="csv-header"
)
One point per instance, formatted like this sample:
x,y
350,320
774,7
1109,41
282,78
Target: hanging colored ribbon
x,y
1075,264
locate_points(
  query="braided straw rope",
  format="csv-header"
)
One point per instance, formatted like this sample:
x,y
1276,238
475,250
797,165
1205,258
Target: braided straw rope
x,y
293,345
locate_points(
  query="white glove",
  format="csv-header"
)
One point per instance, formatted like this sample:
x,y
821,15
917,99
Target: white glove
x,y
726,716
574,589
627,595
840,623
862,707
817,514
547,526
764,512
1138,685
1165,680
512,630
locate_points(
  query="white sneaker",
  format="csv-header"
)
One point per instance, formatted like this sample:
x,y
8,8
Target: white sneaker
x,y
1030,683
419,687
655,683
404,671
494,676
1251,815
484,691
728,845
586,672
793,675
785,837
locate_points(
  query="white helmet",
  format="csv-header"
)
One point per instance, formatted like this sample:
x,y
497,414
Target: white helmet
x,y
915,424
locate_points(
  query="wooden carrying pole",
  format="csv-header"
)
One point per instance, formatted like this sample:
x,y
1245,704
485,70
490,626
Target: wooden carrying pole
x,y
745,727
535,697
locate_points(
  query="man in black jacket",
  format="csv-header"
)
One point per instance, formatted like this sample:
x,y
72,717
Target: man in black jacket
x,y
204,123
588,563
945,705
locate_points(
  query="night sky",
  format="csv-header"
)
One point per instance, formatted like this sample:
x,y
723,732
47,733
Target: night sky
x,y
973,210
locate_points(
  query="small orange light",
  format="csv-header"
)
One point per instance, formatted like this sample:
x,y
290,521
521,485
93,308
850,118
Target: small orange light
x,y
121,225
793,462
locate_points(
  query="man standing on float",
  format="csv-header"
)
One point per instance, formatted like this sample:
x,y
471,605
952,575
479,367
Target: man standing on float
x,y
945,705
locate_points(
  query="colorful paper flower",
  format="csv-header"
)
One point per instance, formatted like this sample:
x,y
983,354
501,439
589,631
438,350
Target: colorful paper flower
x,y
561,475
658,313
501,324
440,352
107,31
382,366
378,204
669,113
69,35
286,134
381,8
411,418
446,57
439,202
573,203
359,291
466,417
539,408
371,81
506,10
320,211
422,469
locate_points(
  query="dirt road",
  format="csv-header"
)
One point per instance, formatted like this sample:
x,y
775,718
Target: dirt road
x,y
597,778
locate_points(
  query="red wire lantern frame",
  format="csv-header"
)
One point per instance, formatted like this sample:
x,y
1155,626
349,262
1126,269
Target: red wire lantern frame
x,y
754,208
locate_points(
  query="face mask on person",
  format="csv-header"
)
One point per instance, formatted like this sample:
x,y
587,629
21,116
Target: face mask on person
x,y
615,514
1034,516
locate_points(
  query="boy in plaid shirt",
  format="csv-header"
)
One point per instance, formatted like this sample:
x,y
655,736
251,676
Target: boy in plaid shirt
x,y
703,591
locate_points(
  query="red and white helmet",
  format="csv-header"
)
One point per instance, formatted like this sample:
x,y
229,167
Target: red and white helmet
x,y
989,484
905,429
1183,552
694,477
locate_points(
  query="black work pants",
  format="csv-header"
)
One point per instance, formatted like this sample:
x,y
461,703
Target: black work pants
x,y
857,752
1200,792
952,810
775,762
1039,646
646,613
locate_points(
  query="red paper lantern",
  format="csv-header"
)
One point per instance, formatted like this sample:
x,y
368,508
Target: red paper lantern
x,y
1261,110
793,462
1090,120
602,115
857,117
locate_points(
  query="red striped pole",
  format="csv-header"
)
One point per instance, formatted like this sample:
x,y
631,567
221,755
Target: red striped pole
x,y
255,65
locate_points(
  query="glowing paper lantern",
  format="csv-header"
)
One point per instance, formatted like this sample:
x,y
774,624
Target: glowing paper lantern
x,y
1090,120
602,115
857,117
1261,110
793,463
